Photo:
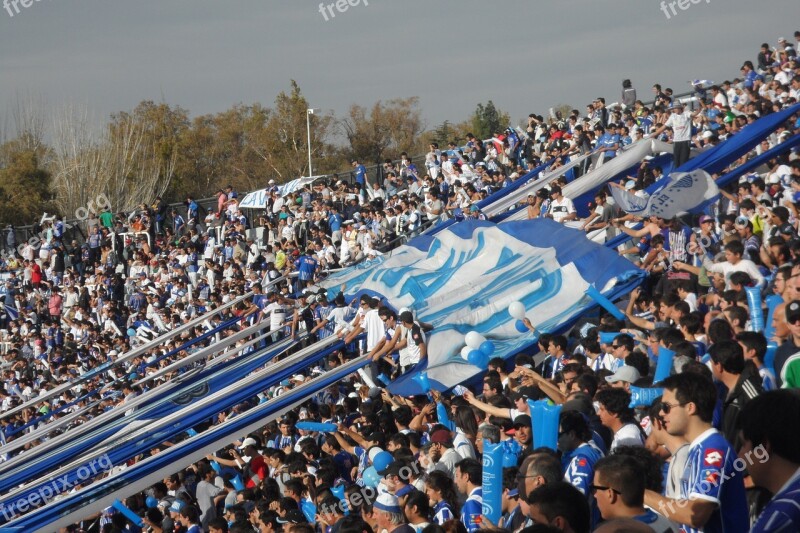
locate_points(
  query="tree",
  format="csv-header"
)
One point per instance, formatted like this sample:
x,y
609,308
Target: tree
x,y
387,129
23,183
283,144
131,163
488,120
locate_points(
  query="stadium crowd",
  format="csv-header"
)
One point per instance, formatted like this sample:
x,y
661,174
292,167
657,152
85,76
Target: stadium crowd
x,y
716,450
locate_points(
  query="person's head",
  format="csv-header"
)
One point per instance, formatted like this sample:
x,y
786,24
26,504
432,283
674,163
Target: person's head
x,y
439,487
621,346
558,345
388,513
417,507
614,406
688,402
536,470
468,475
734,251
618,485
189,515
727,357
768,431
754,345
561,505
573,431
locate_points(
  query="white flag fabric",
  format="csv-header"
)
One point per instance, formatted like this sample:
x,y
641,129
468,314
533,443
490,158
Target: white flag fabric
x,y
682,192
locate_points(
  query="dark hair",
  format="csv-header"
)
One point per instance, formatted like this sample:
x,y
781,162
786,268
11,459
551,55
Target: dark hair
x,y
562,499
647,463
464,419
719,330
771,418
695,388
575,422
740,278
472,468
728,354
735,247
623,339
754,340
559,341
616,402
441,482
738,314
588,383
419,500
639,361
354,524
622,473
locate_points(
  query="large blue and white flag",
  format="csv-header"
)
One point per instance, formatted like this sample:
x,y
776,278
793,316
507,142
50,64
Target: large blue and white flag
x,y
465,277
678,194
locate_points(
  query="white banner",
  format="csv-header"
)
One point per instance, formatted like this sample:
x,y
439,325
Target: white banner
x,y
681,193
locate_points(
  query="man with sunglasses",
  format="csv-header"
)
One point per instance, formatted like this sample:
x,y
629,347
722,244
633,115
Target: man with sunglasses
x,y
618,488
712,496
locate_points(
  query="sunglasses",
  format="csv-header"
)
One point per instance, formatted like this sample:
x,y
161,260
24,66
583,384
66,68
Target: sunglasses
x,y
595,488
667,407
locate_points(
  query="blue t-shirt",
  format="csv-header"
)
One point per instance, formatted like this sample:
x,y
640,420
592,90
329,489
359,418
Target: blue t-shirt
x,y
306,267
472,510
782,513
335,222
579,467
361,172
710,475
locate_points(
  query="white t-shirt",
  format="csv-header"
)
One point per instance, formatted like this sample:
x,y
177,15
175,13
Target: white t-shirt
x,y
681,124
561,209
628,435
277,315
374,327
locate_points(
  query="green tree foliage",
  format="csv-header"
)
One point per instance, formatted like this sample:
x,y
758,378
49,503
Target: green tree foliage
x,y
488,120
385,130
24,185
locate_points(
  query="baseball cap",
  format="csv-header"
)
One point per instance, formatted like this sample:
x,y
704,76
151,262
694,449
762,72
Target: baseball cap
x,y
387,503
392,469
176,506
249,441
443,436
705,218
295,516
522,420
626,373
526,393
676,104
793,312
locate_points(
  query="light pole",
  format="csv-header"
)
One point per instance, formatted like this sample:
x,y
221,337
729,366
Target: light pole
x,y
309,112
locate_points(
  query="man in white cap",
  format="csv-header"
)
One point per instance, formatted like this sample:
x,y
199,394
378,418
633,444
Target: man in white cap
x,y
623,378
681,123
389,516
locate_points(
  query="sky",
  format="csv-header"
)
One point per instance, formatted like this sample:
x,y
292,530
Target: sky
x,y
525,55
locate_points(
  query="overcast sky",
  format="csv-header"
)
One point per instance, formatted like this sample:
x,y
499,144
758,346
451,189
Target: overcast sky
x,y
525,55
